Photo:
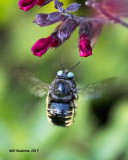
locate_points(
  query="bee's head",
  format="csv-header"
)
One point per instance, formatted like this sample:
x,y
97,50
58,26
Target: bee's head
x,y
66,74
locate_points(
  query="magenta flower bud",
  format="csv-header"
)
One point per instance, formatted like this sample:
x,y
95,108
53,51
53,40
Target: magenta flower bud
x,y
28,4
84,46
43,44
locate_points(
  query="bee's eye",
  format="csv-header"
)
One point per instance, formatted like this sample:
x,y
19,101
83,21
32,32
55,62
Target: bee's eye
x,y
59,73
70,75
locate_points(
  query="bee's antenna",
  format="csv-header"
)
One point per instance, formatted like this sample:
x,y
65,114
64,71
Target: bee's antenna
x,y
61,64
74,66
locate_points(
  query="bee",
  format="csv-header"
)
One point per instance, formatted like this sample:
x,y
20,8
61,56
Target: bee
x,y
62,98
62,94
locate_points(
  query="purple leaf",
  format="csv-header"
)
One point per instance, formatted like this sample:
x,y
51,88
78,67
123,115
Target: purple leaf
x,y
58,4
73,7
53,16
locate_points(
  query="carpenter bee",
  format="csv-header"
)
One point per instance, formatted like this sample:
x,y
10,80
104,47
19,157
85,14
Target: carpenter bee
x,y
62,94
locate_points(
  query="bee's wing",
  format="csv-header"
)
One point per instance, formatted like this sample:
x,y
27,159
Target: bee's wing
x,y
34,86
99,89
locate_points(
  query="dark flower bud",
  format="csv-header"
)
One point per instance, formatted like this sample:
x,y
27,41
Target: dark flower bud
x,y
66,29
42,20
43,44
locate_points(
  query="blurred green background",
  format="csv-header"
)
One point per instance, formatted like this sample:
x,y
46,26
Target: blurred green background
x,y
100,129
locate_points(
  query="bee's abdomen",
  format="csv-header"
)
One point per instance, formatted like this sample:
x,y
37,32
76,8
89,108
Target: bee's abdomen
x,y
61,114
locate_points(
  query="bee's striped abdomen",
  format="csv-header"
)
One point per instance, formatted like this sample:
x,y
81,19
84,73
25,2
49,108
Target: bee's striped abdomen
x,y
60,114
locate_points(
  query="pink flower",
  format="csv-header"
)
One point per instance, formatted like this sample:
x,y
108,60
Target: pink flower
x,y
84,46
28,4
118,8
43,44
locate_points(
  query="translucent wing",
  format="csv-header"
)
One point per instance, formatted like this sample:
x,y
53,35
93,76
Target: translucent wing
x,y
99,89
34,86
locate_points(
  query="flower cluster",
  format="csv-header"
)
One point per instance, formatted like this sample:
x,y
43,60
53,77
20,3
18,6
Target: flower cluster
x,y
89,28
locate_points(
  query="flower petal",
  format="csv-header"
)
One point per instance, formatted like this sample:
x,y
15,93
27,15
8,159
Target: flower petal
x,y
26,4
43,44
84,46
